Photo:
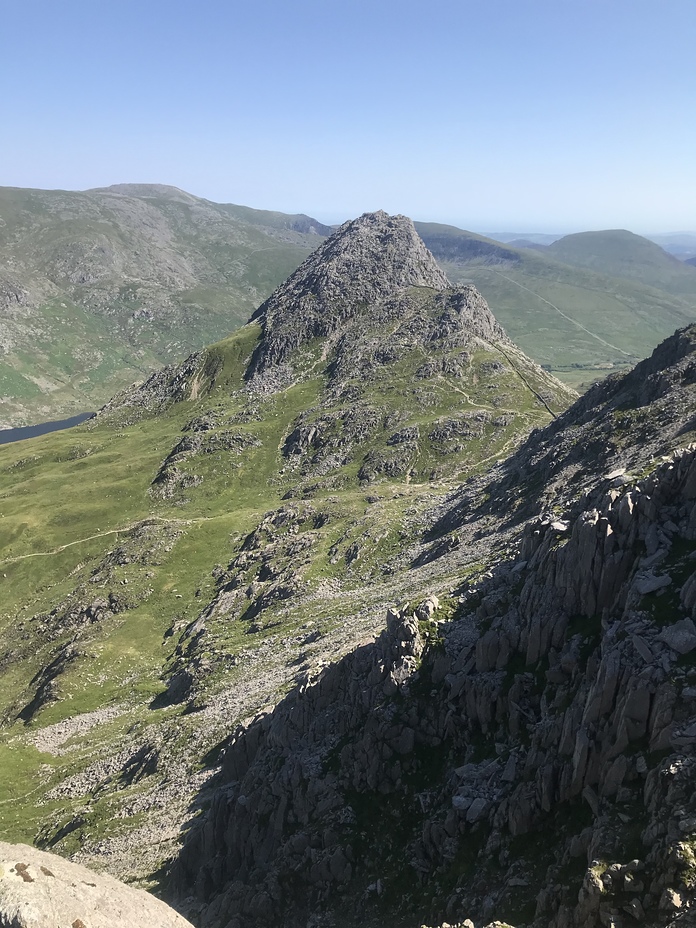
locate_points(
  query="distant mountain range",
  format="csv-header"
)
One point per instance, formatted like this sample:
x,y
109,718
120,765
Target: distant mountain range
x,y
101,287
680,244
588,303
534,238
618,253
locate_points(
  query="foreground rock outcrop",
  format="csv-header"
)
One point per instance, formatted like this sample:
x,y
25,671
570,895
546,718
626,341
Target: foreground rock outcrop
x,y
40,890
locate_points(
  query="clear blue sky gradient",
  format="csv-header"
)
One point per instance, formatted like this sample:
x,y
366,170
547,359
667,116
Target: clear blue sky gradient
x,y
493,115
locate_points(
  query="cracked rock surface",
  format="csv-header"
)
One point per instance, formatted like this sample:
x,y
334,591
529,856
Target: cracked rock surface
x,y
40,890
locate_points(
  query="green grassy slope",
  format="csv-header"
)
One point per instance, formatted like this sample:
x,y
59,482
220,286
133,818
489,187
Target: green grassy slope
x,y
104,569
577,322
619,253
98,288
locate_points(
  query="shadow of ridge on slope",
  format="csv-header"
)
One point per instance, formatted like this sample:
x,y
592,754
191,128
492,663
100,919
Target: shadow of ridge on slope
x,y
386,768
316,743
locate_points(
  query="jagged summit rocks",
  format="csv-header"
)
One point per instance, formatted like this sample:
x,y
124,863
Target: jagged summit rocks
x,y
403,374
371,313
365,261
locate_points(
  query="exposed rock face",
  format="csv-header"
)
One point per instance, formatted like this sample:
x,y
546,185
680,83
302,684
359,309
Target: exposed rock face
x,y
398,347
531,758
171,384
40,890
671,367
365,261
410,390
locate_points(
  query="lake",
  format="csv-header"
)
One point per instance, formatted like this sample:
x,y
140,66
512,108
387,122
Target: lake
x,y
43,428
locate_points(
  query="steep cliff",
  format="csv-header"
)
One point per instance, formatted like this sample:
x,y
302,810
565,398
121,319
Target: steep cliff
x,y
527,755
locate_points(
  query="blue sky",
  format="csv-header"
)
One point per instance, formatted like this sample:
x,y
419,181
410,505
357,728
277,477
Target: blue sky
x,y
547,115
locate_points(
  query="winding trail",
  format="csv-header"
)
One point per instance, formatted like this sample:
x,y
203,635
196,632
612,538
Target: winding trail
x,y
113,531
560,312
527,383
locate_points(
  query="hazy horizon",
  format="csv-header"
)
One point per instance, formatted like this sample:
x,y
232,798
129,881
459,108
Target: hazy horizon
x,y
330,219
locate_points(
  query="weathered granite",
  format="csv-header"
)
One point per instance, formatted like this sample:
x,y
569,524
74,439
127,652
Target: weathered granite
x,y
41,890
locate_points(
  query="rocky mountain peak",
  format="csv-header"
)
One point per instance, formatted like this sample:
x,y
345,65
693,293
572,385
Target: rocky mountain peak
x,y
546,727
363,262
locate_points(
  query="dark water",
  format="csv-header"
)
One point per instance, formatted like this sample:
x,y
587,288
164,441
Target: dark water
x,y
31,431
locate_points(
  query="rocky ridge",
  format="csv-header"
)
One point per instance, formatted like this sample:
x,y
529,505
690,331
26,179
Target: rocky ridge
x,y
371,314
529,758
630,418
366,260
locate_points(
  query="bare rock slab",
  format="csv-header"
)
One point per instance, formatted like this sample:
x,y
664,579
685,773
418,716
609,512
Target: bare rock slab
x,y
681,637
40,890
